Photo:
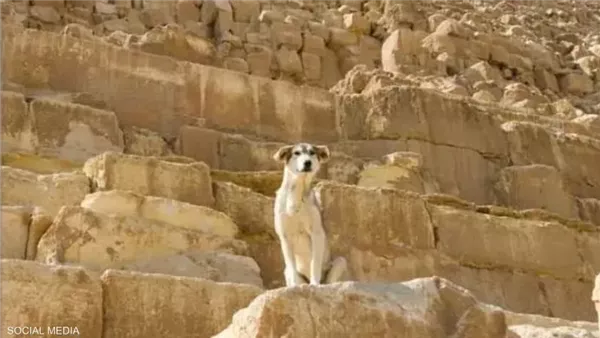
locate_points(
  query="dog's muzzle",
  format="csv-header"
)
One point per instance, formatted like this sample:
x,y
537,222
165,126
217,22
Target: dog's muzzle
x,y
307,166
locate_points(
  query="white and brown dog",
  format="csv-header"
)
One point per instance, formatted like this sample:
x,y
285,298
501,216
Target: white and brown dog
x,y
298,222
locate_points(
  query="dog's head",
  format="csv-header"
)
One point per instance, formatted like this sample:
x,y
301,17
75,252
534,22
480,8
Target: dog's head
x,y
302,158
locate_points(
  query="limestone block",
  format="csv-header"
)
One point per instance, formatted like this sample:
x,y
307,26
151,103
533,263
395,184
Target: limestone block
x,y
381,216
535,187
494,241
15,230
144,142
173,212
50,298
589,210
423,308
18,130
74,132
400,170
100,241
50,192
189,183
185,307
216,266
576,83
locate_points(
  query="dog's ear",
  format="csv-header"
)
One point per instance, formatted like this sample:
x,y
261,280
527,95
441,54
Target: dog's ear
x,y
322,153
283,154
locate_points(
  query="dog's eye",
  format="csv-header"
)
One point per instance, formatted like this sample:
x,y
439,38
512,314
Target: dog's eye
x,y
297,153
311,152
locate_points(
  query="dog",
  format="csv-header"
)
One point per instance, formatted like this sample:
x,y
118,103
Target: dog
x,y
298,221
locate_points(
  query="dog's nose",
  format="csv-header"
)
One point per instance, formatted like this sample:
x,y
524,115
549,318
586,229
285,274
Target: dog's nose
x,y
307,164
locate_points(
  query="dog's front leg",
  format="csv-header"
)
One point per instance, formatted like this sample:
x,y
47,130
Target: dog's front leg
x,y
318,242
289,272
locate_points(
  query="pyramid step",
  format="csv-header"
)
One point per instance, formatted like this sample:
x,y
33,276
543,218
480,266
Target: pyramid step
x,y
176,213
186,182
65,130
101,241
50,192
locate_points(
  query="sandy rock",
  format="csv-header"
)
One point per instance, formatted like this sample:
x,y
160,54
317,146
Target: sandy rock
x,y
18,127
100,241
45,296
216,266
171,40
189,307
452,27
15,230
45,14
511,248
576,83
173,212
151,176
483,71
74,132
78,31
589,210
530,331
144,142
401,170
50,192
596,297
535,187
429,307
40,222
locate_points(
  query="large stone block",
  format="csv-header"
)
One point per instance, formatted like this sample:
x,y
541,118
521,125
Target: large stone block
x,y
54,300
186,182
18,131
74,132
100,241
216,266
173,212
373,218
169,306
422,308
50,192
414,113
502,242
535,187
41,59
15,230
589,210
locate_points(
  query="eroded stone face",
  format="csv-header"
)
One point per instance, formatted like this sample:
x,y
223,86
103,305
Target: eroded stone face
x,y
50,192
173,212
189,307
100,241
415,308
61,296
189,182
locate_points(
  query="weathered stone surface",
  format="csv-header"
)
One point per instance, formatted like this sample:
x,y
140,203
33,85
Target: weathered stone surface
x,y
189,183
589,210
401,170
596,297
189,307
535,187
430,307
264,182
216,266
15,230
48,297
383,217
100,241
74,132
542,247
144,142
173,212
575,156
18,131
227,97
39,223
38,164
50,192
